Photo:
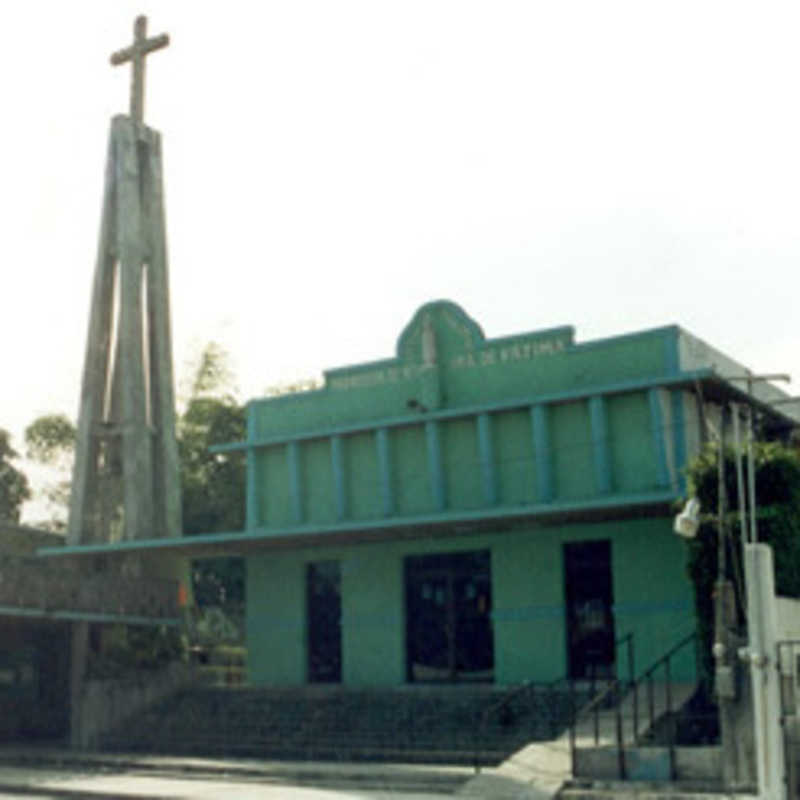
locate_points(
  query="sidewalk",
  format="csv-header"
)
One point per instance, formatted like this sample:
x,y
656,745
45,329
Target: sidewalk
x,y
406,777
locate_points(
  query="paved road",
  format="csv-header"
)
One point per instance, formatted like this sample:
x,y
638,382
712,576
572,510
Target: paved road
x,y
47,784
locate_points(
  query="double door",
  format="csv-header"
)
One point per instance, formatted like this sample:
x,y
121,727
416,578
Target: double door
x,y
448,618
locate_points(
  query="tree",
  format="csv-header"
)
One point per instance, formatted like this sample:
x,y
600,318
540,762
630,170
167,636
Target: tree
x,y
213,484
14,488
778,514
50,441
50,438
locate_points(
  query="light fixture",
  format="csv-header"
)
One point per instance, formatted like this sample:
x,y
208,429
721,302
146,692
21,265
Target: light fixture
x,y
688,521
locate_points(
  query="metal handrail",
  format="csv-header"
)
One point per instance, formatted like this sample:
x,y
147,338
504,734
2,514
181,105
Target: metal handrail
x,y
548,687
614,683
646,677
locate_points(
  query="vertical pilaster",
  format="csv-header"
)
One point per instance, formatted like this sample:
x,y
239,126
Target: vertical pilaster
x,y
540,428
383,445
657,432
253,514
435,467
600,448
295,481
486,456
339,487
678,436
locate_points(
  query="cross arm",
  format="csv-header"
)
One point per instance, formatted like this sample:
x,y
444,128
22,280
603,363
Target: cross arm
x,y
128,53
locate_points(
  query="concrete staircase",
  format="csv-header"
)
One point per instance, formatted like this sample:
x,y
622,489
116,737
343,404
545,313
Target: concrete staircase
x,y
407,724
632,722
543,770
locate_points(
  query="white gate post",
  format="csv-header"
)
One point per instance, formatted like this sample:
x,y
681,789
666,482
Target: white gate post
x,y
762,619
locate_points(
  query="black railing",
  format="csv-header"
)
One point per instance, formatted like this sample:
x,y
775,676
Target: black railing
x,y
658,684
554,702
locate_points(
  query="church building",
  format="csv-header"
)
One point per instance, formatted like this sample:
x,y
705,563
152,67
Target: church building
x,y
479,510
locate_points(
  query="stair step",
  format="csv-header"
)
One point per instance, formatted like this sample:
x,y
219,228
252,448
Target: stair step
x,y
404,725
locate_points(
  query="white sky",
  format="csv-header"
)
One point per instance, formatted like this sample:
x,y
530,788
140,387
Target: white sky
x,y
333,164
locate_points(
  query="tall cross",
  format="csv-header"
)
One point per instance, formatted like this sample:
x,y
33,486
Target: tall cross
x,y
135,53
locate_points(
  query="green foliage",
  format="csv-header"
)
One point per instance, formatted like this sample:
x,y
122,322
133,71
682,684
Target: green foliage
x,y
50,438
14,488
213,485
213,375
778,517
213,626
129,649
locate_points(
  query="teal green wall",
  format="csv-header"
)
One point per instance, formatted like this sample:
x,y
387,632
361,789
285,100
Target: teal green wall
x,y
622,444
456,422
373,641
633,466
651,594
276,619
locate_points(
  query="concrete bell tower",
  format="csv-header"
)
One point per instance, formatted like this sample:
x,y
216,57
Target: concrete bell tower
x,y
126,482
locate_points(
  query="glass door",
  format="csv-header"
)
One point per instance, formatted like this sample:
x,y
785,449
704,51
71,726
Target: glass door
x,y
448,618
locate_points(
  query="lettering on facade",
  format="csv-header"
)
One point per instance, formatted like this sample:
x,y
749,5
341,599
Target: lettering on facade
x,y
519,351
377,377
485,357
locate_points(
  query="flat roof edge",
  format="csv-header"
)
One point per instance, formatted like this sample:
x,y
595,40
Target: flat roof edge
x,y
377,529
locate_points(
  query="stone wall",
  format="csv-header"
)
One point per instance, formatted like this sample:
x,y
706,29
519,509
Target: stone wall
x,y
108,704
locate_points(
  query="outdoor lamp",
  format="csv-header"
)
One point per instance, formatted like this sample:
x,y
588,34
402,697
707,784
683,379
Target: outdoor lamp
x,y
688,521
